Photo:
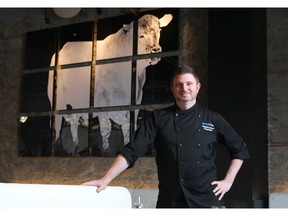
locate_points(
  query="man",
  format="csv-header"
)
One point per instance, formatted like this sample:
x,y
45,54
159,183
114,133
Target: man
x,y
184,136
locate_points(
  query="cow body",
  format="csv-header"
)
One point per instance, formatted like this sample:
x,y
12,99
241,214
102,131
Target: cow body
x,y
112,81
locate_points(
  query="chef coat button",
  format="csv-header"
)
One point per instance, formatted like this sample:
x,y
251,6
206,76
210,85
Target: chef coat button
x,y
178,129
198,162
180,145
198,145
176,114
199,116
182,180
199,130
181,162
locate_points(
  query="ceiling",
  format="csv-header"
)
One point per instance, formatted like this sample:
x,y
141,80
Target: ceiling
x,y
11,13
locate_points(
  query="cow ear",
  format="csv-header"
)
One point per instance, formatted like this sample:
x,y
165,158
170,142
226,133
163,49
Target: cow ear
x,y
126,28
165,20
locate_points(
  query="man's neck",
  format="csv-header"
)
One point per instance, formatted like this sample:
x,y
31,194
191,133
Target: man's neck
x,y
185,105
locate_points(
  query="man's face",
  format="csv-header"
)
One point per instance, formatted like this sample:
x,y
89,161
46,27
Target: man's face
x,y
185,88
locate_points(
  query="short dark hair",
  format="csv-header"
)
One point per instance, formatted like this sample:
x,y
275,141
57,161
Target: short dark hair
x,y
184,69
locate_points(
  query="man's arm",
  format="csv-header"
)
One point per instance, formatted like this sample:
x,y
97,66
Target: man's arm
x,y
224,185
118,166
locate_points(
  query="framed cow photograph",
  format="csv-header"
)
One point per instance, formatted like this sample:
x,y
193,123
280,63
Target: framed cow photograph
x,y
103,80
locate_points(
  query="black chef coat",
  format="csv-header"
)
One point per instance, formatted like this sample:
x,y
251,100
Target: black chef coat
x,y
184,142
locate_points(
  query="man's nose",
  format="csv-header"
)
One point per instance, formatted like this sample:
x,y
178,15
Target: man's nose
x,y
184,87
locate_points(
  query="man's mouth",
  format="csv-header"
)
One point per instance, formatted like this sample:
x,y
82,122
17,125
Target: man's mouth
x,y
184,94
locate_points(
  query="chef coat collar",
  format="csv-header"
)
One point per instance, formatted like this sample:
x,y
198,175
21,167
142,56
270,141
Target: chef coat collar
x,y
191,109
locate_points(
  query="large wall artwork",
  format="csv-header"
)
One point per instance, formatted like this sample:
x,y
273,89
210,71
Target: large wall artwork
x,y
88,86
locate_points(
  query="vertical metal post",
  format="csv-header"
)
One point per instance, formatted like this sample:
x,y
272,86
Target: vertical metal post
x,y
54,100
92,86
133,74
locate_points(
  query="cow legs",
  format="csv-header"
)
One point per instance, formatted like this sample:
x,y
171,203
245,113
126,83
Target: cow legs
x,y
105,128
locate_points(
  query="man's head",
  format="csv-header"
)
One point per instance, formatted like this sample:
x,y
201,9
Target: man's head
x,y
185,85
183,69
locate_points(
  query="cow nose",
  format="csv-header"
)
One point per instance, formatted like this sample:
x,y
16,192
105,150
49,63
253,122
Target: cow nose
x,y
156,49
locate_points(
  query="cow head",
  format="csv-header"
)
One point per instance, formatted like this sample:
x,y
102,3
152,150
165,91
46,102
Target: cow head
x,y
149,28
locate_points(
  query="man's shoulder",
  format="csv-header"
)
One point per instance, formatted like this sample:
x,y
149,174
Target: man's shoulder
x,y
168,110
169,107
207,111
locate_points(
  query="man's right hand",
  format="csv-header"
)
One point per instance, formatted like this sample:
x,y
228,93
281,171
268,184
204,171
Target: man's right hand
x,y
119,165
99,184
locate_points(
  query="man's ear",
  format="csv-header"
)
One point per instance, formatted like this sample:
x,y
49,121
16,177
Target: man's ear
x,y
198,86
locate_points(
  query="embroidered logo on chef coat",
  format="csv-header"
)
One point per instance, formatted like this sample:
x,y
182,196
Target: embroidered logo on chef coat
x,y
208,126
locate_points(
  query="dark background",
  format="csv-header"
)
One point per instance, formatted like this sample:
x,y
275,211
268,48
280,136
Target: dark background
x,y
237,88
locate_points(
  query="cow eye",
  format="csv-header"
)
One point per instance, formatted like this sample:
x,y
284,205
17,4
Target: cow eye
x,y
141,36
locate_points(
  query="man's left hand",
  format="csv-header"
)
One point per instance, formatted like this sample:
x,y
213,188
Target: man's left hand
x,y
221,188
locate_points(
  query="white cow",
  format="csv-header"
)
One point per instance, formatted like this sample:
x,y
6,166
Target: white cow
x,y
112,81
